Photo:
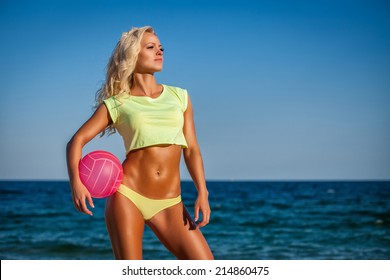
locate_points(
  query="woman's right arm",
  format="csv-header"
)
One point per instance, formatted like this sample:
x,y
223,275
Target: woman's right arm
x,y
98,121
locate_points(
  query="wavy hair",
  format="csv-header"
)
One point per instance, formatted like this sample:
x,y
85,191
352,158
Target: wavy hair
x,y
120,67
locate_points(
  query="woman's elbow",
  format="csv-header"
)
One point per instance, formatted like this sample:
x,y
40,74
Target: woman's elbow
x,y
73,141
69,145
191,152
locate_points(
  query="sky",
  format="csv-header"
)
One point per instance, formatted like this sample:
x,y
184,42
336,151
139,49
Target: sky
x,y
282,90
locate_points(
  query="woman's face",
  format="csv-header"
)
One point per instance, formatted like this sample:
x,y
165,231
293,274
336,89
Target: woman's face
x,y
150,57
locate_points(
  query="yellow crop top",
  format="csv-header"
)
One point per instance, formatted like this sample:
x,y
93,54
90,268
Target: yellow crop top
x,y
143,121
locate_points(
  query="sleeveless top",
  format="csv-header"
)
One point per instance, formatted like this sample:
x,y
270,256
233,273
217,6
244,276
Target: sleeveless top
x,y
143,121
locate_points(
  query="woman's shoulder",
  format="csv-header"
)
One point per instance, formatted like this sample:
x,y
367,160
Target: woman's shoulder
x,y
115,101
180,93
175,89
117,98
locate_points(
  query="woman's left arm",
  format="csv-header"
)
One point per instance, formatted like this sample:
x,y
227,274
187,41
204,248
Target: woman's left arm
x,y
194,163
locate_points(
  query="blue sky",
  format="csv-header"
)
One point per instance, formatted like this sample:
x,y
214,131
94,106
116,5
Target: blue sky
x,y
282,90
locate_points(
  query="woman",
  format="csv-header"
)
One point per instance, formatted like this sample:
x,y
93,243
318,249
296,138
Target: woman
x,y
156,123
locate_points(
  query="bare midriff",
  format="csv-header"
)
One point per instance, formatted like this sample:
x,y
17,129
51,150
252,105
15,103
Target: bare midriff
x,y
154,171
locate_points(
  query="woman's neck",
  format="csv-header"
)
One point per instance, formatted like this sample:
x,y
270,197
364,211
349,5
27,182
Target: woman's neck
x,y
145,85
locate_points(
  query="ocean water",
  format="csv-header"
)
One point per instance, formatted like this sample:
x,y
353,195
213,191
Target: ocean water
x,y
250,220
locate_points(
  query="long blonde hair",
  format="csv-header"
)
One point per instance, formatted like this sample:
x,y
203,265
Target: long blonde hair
x,y
120,67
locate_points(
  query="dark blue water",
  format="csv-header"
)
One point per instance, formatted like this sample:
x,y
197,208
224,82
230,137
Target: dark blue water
x,y
250,220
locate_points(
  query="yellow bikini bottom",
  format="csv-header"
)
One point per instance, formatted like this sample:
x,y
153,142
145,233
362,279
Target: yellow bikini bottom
x,y
147,206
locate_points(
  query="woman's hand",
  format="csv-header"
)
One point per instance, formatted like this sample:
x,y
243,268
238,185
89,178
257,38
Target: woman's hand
x,y
79,195
202,206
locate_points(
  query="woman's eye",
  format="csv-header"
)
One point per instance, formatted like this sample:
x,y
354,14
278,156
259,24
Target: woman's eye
x,y
152,47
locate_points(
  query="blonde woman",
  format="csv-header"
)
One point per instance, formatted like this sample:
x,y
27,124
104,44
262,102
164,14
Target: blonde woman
x,y
156,123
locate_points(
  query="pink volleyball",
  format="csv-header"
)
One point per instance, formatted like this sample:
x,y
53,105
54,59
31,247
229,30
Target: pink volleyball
x,y
101,173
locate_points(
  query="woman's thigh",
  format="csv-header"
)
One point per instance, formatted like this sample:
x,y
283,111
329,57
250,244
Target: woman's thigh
x,y
173,229
125,226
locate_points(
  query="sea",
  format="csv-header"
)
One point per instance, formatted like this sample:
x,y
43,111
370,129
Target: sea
x,y
264,220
